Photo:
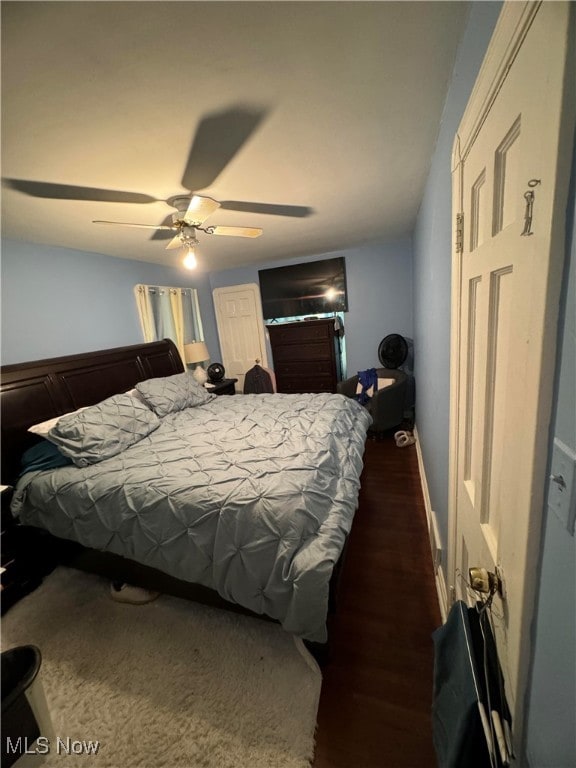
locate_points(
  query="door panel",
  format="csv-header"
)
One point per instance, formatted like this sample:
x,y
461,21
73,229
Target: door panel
x,y
505,302
240,329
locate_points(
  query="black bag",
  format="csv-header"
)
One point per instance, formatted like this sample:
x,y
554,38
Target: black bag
x,y
471,721
257,381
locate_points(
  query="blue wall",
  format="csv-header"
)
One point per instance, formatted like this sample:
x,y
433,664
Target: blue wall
x,y
379,283
552,706
57,301
432,268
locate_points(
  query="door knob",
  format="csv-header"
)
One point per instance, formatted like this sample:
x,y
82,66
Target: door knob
x,y
484,581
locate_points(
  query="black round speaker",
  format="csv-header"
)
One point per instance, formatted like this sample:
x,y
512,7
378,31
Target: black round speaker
x,y
216,372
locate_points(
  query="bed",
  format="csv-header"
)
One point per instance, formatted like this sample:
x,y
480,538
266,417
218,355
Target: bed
x,y
244,501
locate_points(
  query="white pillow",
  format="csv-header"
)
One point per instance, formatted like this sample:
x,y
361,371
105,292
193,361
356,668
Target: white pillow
x,y
45,426
381,384
134,393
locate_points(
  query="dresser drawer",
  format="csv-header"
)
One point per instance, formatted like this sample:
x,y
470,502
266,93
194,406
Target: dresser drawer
x,y
309,351
301,384
306,368
302,332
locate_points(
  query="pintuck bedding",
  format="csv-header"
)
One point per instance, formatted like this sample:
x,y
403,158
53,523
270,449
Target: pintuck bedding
x,y
252,496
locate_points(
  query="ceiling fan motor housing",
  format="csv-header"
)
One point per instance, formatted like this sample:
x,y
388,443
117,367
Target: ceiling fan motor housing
x,y
180,203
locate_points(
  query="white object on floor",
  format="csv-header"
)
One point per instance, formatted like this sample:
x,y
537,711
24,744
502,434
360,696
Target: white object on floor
x,y
172,683
127,593
404,438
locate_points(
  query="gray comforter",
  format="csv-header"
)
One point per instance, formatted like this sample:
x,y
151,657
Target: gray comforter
x,y
251,495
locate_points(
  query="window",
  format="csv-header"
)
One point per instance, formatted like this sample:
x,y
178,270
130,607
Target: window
x,y
169,313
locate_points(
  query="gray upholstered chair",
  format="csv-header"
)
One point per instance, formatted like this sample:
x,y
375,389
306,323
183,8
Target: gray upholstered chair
x,y
386,406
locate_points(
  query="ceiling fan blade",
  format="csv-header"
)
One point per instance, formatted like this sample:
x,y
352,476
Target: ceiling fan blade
x,y
199,209
218,138
296,211
235,231
129,224
70,192
165,231
176,242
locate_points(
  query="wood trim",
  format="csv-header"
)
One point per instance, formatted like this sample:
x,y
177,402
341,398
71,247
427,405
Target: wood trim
x,y
457,207
437,551
512,27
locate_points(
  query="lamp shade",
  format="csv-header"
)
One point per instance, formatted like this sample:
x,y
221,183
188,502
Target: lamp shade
x,y
196,352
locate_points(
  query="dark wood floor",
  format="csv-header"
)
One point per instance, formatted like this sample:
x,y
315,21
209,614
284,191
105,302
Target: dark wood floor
x,y
377,688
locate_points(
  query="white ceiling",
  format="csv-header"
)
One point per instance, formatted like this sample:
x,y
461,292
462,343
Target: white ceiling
x,y
110,95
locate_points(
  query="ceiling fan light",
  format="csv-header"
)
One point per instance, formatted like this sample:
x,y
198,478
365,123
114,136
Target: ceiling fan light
x,y
189,260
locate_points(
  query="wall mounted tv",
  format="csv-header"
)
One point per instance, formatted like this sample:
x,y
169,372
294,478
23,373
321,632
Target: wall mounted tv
x,y
310,288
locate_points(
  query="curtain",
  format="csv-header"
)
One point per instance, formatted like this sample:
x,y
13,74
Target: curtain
x,y
172,313
145,312
177,316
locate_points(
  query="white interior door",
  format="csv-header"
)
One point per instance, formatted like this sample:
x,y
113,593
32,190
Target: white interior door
x,y
240,329
506,283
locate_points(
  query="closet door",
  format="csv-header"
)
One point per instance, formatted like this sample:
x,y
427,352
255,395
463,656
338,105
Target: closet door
x,y
240,329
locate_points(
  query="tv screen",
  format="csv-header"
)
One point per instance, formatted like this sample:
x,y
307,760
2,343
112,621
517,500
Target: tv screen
x,y
311,288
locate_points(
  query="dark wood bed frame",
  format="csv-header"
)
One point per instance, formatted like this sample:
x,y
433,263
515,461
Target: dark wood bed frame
x,y
36,391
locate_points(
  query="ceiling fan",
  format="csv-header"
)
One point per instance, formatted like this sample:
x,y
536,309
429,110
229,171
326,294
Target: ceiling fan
x,y
218,138
191,214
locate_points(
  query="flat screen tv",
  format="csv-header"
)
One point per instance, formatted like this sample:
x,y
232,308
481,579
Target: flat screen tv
x,y
310,288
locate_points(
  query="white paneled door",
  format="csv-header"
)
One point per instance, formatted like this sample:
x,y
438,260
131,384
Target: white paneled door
x,y
510,180
240,329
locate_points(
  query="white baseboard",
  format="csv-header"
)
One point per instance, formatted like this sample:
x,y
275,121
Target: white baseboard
x,y
438,552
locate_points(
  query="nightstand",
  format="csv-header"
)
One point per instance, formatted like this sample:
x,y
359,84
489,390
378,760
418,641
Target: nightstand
x,y
223,387
26,557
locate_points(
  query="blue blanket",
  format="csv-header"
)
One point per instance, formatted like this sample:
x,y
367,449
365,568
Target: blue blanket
x,y
367,379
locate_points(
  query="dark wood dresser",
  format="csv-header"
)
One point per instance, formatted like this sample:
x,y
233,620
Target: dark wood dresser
x,y
306,356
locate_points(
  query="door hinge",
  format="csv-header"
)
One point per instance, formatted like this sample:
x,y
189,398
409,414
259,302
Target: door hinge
x,y
459,232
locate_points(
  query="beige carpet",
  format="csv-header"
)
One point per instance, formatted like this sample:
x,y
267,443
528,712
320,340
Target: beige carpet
x,y
170,683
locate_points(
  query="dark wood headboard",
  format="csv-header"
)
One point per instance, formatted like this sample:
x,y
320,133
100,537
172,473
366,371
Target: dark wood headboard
x,y
39,390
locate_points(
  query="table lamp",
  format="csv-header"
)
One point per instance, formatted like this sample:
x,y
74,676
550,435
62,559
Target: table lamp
x,y
197,353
